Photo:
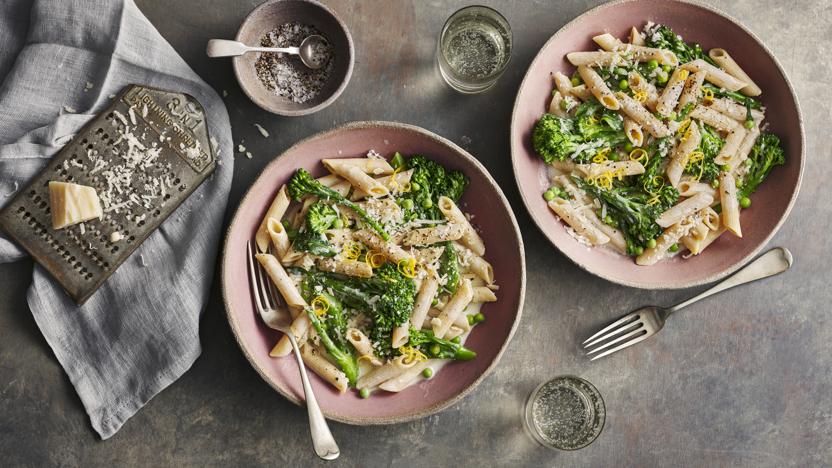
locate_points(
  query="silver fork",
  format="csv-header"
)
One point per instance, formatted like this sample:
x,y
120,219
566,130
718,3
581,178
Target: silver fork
x,y
647,321
279,318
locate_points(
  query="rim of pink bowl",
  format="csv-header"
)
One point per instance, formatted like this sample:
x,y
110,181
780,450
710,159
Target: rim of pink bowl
x,y
668,285
440,405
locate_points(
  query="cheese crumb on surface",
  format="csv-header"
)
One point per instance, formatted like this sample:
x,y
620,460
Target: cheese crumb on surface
x,y
116,236
262,130
241,149
248,154
72,204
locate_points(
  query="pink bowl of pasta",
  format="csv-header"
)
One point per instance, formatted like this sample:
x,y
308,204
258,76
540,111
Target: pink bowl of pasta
x,y
657,144
400,260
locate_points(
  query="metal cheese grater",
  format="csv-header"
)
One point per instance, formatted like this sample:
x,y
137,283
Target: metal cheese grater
x,y
144,155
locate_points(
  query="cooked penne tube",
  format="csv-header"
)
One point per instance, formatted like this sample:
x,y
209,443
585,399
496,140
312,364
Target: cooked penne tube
x,y
475,264
727,63
693,89
361,181
595,58
483,294
581,92
577,221
733,140
276,210
400,335
461,321
406,378
329,180
643,88
697,234
374,166
634,132
279,237
454,332
684,209
689,188
745,148
453,214
623,168
424,298
562,83
455,306
730,204
314,360
670,236
362,346
682,153
712,236
393,252
711,218
394,182
380,374
617,240
564,167
342,188
598,88
299,328
634,110
428,255
639,53
670,96
281,279
734,110
579,197
715,75
713,118
636,38
556,103
345,267
432,235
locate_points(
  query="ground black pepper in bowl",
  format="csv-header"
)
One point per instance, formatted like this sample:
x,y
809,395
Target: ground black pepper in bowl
x,y
285,75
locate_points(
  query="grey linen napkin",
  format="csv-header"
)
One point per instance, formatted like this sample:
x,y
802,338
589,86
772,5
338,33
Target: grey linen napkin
x,y
59,63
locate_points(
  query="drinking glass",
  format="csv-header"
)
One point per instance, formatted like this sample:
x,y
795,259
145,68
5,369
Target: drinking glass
x,y
565,413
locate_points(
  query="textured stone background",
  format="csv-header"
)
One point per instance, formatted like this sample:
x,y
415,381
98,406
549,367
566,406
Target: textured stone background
x,y
742,381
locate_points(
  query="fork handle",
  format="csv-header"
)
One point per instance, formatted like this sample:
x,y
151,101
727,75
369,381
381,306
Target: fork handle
x,y
322,440
774,261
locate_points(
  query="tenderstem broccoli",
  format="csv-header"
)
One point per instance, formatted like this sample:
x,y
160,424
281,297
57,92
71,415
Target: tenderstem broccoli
x,y
765,154
444,349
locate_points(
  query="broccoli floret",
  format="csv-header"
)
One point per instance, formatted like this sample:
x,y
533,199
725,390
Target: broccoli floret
x,y
311,238
766,153
593,129
428,183
553,138
710,145
303,184
664,38
320,217
437,347
341,354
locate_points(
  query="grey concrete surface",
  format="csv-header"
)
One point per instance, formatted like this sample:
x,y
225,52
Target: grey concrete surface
x,y
743,381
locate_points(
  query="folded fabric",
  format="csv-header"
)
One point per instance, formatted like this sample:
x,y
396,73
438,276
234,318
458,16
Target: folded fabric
x,y
59,65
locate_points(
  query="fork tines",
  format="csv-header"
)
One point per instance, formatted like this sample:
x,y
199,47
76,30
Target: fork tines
x,y
261,285
624,332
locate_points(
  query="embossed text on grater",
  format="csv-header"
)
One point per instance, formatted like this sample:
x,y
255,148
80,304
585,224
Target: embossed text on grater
x,y
144,155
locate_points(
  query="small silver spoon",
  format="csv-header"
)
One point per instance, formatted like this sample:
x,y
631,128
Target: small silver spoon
x,y
226,48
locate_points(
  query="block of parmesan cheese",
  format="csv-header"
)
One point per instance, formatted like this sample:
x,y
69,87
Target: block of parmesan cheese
x,y
72,203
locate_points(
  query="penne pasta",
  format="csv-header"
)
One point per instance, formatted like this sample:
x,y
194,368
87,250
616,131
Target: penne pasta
x,y
557,106
281,279
314,360
455,306
733,140
374,166
670,236
730,204
390,250
689,188
361,181
475,264
578,222
362,346
345,267
715,75
483,294
276,210
400,335
562,83
636,38
453,214
581,92
727,63
634,110
634,132
394,182
435,234
623,168
745,148
644,89
693,89
392,369
299,328
407,377
598,88
713,118
617,240
682,153
670,96
734,110
280,239
638,53
597,59
684,209
424,298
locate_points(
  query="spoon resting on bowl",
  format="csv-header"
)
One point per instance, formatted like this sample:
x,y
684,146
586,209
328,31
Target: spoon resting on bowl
x,y
308,50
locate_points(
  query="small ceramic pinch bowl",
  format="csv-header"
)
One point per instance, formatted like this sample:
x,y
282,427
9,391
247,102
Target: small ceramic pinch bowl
x,y
493,217
272,14
710,28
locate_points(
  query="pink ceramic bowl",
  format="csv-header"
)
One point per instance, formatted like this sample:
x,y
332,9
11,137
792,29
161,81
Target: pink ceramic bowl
x,y
710,28
492,215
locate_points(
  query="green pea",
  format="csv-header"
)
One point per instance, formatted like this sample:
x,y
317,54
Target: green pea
x,y
456,340
364,393
434,350
414,186
725,168
628,147
427,372
673,248
479,317
715,183
661,77
564,104
745,202
639,250
427,203
623,85
749,124
549,195
652,64
338,223
608,220
666,68
407,204
651,244
470,320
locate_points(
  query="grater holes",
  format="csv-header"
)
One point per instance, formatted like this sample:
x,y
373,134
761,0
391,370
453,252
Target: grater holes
x,y
21,209
131,238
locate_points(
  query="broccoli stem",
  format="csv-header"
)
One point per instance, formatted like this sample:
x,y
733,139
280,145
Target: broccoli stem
x,y
343,358
446,349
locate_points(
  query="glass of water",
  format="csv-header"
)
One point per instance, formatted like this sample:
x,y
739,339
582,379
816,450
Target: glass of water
x,y
565,413
474,49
